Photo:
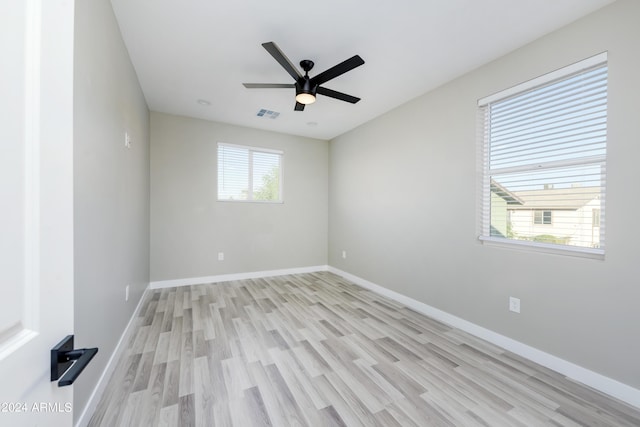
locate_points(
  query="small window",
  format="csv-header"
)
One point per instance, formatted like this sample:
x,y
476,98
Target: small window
x,y
542,149
248,174
542,217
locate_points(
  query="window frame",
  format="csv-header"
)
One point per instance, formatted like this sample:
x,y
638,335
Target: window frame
x,y
251,150
485,181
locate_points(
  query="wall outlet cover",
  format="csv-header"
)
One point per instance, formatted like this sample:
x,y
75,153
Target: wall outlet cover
x,y
514,304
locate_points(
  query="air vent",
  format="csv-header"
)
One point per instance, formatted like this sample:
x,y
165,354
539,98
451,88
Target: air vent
x,y
268,114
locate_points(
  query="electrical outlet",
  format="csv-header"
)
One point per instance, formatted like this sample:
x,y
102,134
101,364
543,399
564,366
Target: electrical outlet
x,y
127,140
220,256
126,293
514,304
344,254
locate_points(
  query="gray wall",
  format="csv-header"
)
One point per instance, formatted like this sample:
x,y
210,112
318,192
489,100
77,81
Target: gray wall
x,y
403,205
111,189
189,227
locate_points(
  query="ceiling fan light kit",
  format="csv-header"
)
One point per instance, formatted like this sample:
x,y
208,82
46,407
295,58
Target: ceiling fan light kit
x,y
307,87
305,98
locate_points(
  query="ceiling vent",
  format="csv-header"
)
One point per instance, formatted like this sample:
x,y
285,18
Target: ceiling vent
x,y
268,114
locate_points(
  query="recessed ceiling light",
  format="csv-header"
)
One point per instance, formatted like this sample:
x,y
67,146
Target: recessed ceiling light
x,y
204,102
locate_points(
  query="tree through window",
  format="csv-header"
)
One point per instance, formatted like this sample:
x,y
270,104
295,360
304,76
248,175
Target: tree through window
x,y
249,174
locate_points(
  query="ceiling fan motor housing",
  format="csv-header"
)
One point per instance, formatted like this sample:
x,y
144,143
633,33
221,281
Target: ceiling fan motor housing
x,y
304,85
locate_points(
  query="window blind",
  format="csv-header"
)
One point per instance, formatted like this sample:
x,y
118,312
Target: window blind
x,y
544,160
249,174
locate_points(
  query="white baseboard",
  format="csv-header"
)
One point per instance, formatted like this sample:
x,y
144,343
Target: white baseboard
x,y
590,378
235,276
98,390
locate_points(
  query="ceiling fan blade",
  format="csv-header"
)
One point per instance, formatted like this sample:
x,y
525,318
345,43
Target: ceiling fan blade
x,y
277,54
268,85
299,107
335,71
337,95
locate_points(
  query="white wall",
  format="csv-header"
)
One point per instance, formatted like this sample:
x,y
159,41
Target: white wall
x,y
111,189
189,227
402,203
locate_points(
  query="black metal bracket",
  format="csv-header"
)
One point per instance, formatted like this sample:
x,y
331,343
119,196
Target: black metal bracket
x,y
67,363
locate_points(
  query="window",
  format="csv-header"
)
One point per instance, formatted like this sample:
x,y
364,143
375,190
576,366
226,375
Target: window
x,y
595,218
249,174
542,147
542,217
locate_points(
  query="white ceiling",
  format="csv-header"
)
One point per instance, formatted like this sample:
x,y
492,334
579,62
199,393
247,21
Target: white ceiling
x,y
185,51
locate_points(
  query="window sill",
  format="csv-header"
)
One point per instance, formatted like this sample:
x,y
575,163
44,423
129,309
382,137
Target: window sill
x,y
546,248
267,202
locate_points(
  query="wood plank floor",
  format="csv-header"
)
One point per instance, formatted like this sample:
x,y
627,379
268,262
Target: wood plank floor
x,y
316,350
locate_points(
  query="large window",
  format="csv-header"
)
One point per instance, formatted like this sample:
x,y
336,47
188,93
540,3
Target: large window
x,y
249,174
543,155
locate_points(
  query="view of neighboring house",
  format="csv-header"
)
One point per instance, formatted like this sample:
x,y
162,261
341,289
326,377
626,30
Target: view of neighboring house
x,y
501,199
568,215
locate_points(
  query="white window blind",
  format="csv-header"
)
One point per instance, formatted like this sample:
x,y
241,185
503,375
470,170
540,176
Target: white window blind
x,y
249,174
543,154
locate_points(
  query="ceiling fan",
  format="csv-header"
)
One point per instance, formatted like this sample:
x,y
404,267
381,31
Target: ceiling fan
x,y
307,87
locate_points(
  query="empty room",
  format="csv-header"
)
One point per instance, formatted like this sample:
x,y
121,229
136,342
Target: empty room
x,y
251,213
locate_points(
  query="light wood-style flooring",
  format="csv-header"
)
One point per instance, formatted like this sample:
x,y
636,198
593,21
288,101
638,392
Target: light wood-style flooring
x,y
317,350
